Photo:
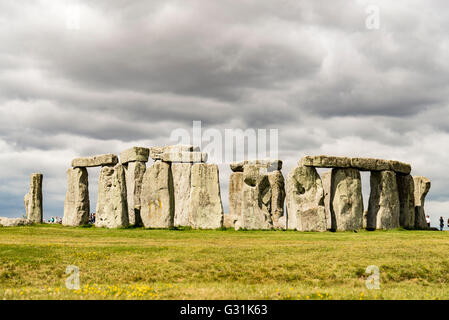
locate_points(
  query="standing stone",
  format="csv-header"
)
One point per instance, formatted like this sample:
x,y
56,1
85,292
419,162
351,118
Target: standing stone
x,y
305,200
331,224
182,185
422,187
256,195
112,206
76,204
157,200
235,194
346,199
206,209
383,208
406,190
134,172
277,184
33,199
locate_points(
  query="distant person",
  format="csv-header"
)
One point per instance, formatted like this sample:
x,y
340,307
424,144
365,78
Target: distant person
x,y
428,221
441,223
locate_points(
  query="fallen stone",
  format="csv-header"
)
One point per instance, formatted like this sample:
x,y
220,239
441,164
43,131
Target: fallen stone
x,y
33,199
269,164
305,200
134,172
277,184
346,199
422,187
14,222
331,224
235,194
112,205
157,196
406,192
384,207
76,204
157,152
96,161
182,187
206,209
135,154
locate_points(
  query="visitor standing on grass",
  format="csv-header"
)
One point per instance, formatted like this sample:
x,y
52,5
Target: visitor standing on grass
x,y
441,223
428,221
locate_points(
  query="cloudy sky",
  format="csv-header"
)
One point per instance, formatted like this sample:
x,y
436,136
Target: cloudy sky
x,y
80,78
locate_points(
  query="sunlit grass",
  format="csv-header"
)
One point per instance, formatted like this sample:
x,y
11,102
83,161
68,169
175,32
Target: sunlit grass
x,y
192,264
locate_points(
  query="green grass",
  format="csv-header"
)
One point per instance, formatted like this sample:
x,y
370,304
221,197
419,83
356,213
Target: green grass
x,y
193,264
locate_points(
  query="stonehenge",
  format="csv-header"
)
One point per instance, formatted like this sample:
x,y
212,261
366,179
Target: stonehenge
x,y
76,204
33,199
422,187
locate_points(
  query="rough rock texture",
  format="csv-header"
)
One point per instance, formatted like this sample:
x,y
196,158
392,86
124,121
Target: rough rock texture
x,y
134,172
157,196
206,209
346,199
383,208
156,153
362,164
235,194
14,222
305,200
270,164
281,223
186,157
96,161
182,187
76,204
135,154
422,187
406,191
112,206
33,199
277,184
326,180
229,221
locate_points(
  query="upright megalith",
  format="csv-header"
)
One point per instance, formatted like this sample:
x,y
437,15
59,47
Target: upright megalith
x,y
406,192
206,208
134,161
422,187
305,200
326,180
76,204
277,184
157,196
33,199
384,207
182,179
112,206
235,194
346,199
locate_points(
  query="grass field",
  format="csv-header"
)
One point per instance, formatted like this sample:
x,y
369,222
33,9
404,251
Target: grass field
x,y
191,264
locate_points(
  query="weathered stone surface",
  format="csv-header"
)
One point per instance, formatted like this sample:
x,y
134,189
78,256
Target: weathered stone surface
x,y
96,161
157,152
33,199
229,221
305,200
270,164
422,187
362,164
14,222
346,199
281,223
406,192
135,154
182,187
206,208
112,206
134,172
331,224
186,157
325,162
277,184
235,194
383,208
76,204
157,196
